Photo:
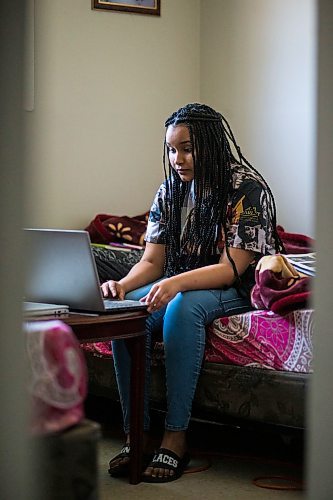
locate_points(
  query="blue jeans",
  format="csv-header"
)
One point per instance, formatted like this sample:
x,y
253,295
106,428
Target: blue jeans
x,y
183,321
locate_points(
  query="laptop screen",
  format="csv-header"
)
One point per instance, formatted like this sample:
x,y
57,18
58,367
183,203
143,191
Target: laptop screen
x,y
61,269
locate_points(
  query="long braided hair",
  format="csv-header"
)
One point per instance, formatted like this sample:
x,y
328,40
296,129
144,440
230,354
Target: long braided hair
x,y
210,134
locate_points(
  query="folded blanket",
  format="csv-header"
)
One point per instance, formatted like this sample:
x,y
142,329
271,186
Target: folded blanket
x,y
279,287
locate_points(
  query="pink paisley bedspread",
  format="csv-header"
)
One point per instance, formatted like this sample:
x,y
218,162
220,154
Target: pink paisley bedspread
x,y
258,338
263,339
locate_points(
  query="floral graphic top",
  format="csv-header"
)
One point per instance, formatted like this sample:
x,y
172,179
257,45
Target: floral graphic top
x,y
249,226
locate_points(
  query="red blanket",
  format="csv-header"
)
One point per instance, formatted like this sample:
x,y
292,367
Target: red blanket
x,y
294,242
105,228
279,287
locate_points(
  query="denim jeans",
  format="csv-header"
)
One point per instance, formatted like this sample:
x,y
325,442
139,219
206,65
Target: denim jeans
x,y
183,321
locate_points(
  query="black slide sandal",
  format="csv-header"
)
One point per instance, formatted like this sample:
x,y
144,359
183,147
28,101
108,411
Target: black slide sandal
x,y
167,459
122,469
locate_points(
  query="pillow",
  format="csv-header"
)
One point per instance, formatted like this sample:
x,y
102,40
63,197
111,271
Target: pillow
x,y
106,228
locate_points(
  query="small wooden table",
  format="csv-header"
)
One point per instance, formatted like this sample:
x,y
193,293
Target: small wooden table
x,y
129,326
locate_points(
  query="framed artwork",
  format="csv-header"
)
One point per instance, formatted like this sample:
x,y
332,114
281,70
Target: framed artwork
x,y
152,7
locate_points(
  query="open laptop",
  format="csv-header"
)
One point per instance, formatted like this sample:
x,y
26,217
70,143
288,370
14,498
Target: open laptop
x,y
60,269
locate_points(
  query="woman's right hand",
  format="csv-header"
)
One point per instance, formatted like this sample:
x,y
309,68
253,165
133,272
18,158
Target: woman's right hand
x,y
114,289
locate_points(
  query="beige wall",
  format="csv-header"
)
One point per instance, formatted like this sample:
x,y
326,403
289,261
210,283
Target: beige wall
x,y
104,84
258,68
106,81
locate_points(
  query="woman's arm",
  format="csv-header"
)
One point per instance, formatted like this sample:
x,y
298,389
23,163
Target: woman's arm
x,y
216,275
148,269
213,276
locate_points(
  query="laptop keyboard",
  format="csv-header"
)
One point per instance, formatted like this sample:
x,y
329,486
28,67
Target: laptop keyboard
x,y
119,304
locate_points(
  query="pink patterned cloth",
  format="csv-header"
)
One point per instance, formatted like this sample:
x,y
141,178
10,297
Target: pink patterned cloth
x,y
58,376
260,339
263,339
102,349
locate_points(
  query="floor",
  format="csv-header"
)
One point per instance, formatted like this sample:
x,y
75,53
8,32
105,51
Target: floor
x,y
226,460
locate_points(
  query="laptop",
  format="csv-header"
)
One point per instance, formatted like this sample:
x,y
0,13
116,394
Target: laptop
x,y
31,309
60,269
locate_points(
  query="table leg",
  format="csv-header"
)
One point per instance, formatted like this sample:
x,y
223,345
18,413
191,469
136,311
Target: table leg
x,y
136,347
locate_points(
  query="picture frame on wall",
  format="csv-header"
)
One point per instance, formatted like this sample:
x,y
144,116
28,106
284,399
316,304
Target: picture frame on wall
x,y
152,7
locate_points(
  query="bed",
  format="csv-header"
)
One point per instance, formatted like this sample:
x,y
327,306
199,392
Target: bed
x,y
257,365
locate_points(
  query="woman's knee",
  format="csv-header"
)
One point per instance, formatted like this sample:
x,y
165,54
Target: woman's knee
x,y
183,316
188,306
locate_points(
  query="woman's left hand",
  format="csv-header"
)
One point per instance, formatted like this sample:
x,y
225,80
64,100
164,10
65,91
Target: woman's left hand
x,y
161,293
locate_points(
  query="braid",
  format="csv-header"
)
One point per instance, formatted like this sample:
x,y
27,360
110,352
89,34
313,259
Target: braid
x,y
269,198
210,134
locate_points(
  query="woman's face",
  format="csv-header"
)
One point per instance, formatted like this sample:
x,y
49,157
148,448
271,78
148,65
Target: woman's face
x,y
180,151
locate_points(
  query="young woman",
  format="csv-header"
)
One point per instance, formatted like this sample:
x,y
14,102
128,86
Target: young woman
x,y
211,221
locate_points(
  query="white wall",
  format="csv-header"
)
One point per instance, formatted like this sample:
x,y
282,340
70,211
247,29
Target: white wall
x,y
104,84
258,69
106,81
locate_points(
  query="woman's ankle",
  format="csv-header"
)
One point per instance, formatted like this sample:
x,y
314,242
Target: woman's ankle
x,y
175,441
146,441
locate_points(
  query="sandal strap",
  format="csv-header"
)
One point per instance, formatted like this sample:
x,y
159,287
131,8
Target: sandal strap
x,y
166,459
126,449
124,453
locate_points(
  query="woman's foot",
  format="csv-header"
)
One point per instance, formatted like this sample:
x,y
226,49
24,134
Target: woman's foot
x,y
170,460
119,465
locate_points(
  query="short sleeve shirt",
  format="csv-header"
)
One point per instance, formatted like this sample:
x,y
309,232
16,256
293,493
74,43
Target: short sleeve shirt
x,y
249,226
249,222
